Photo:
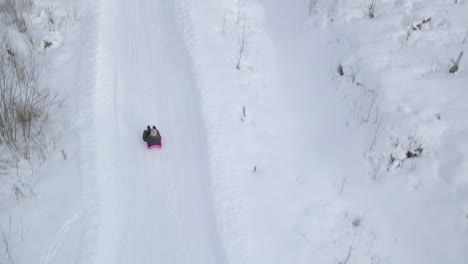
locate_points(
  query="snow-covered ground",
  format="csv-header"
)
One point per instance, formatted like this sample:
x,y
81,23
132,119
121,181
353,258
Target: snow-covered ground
x,y
339,138
40,206
318,170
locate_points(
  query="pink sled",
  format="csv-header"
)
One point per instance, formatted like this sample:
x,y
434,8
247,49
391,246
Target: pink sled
x,y
155,146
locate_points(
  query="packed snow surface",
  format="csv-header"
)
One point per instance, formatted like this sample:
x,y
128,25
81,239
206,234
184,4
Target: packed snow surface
x,y
153,206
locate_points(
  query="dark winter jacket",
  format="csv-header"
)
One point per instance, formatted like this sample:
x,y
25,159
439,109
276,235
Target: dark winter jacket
x,y
152,137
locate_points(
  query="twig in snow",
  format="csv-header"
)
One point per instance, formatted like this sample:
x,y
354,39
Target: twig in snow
x,y
6,239
377,128
224,21
375,94
466,35
370,246
376,163
244,115
241,40
412,27
239,11
412,138
21,225
340,70
389,259
304,236
354,72
456,64
64,155
342,185
408,33
372,9
349,250
420,25
312,4
356,104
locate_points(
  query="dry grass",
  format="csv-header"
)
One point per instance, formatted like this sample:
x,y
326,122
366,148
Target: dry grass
x,y
26,106
16,12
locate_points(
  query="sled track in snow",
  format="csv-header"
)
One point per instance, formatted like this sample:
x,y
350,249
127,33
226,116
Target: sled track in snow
x,y
54,247
146,206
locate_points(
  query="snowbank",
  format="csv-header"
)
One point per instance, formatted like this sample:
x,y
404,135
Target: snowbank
x,y
356,164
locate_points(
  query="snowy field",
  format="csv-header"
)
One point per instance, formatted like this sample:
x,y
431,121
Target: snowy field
x,y
300,131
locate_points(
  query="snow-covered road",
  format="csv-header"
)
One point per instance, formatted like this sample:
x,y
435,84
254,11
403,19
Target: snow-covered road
x,y
152,206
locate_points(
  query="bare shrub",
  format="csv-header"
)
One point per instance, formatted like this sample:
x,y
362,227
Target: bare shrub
x,y
16,12
47,44
416,27
408,149
26,107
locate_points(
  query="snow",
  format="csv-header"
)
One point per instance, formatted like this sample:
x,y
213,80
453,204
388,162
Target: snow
x,y
144,77
311,136
280,161
41,222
